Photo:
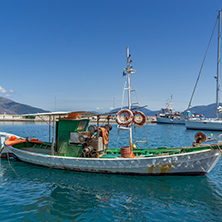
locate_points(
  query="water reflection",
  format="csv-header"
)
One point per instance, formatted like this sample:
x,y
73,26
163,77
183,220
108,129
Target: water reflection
x,y
42,194
45,194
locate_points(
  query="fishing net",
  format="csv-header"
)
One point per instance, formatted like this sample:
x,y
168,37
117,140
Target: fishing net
x,y
70,150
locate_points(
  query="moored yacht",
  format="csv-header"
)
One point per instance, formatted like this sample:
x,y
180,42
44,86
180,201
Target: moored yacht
x,y
209,123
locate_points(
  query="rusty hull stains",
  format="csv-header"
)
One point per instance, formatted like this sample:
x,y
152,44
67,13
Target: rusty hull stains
x,y
161,168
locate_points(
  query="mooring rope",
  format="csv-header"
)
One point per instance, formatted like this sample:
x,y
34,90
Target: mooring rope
x,y
2,149
217,145
219,148
10,165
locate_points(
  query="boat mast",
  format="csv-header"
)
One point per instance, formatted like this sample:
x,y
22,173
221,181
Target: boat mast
x,y
218,64
202,66
128,70
128,77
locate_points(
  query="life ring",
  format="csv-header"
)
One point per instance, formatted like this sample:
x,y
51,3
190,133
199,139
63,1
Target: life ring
x,y
128,114
142,115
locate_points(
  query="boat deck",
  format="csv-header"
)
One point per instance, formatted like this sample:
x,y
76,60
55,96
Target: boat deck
x,y
145,152
45,149
37,150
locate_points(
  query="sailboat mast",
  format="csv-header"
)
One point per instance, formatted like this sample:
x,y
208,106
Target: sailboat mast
x,y
218,65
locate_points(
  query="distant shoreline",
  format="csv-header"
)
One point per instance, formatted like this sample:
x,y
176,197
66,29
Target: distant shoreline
x,y
149,120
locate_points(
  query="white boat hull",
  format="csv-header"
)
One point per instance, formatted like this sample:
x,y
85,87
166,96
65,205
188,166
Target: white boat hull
x,y
4,149
204,124
195,163
169,121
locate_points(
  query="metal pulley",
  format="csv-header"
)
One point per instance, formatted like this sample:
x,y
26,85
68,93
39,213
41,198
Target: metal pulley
x,y
200,137
108,127
83,138
87,150
92,128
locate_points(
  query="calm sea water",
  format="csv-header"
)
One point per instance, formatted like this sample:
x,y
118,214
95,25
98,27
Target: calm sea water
x,y
32,193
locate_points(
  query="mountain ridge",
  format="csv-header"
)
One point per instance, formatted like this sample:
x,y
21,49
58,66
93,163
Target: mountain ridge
x,y
208,111
13,108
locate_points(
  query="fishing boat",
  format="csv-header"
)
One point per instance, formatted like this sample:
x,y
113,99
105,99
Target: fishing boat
x,y
167,116
209,123
82,147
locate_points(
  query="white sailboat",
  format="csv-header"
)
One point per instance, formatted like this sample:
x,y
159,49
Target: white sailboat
x,y
209,123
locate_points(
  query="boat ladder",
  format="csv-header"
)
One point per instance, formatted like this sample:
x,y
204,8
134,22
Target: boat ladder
x,y
140,129
136,130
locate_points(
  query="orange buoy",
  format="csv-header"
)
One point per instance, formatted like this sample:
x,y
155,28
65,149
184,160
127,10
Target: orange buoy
x,y
12,138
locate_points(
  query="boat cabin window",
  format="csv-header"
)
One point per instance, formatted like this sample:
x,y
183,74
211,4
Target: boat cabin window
x,y
82,125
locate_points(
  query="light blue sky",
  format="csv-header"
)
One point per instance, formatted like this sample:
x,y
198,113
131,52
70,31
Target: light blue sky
x,y
70,54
